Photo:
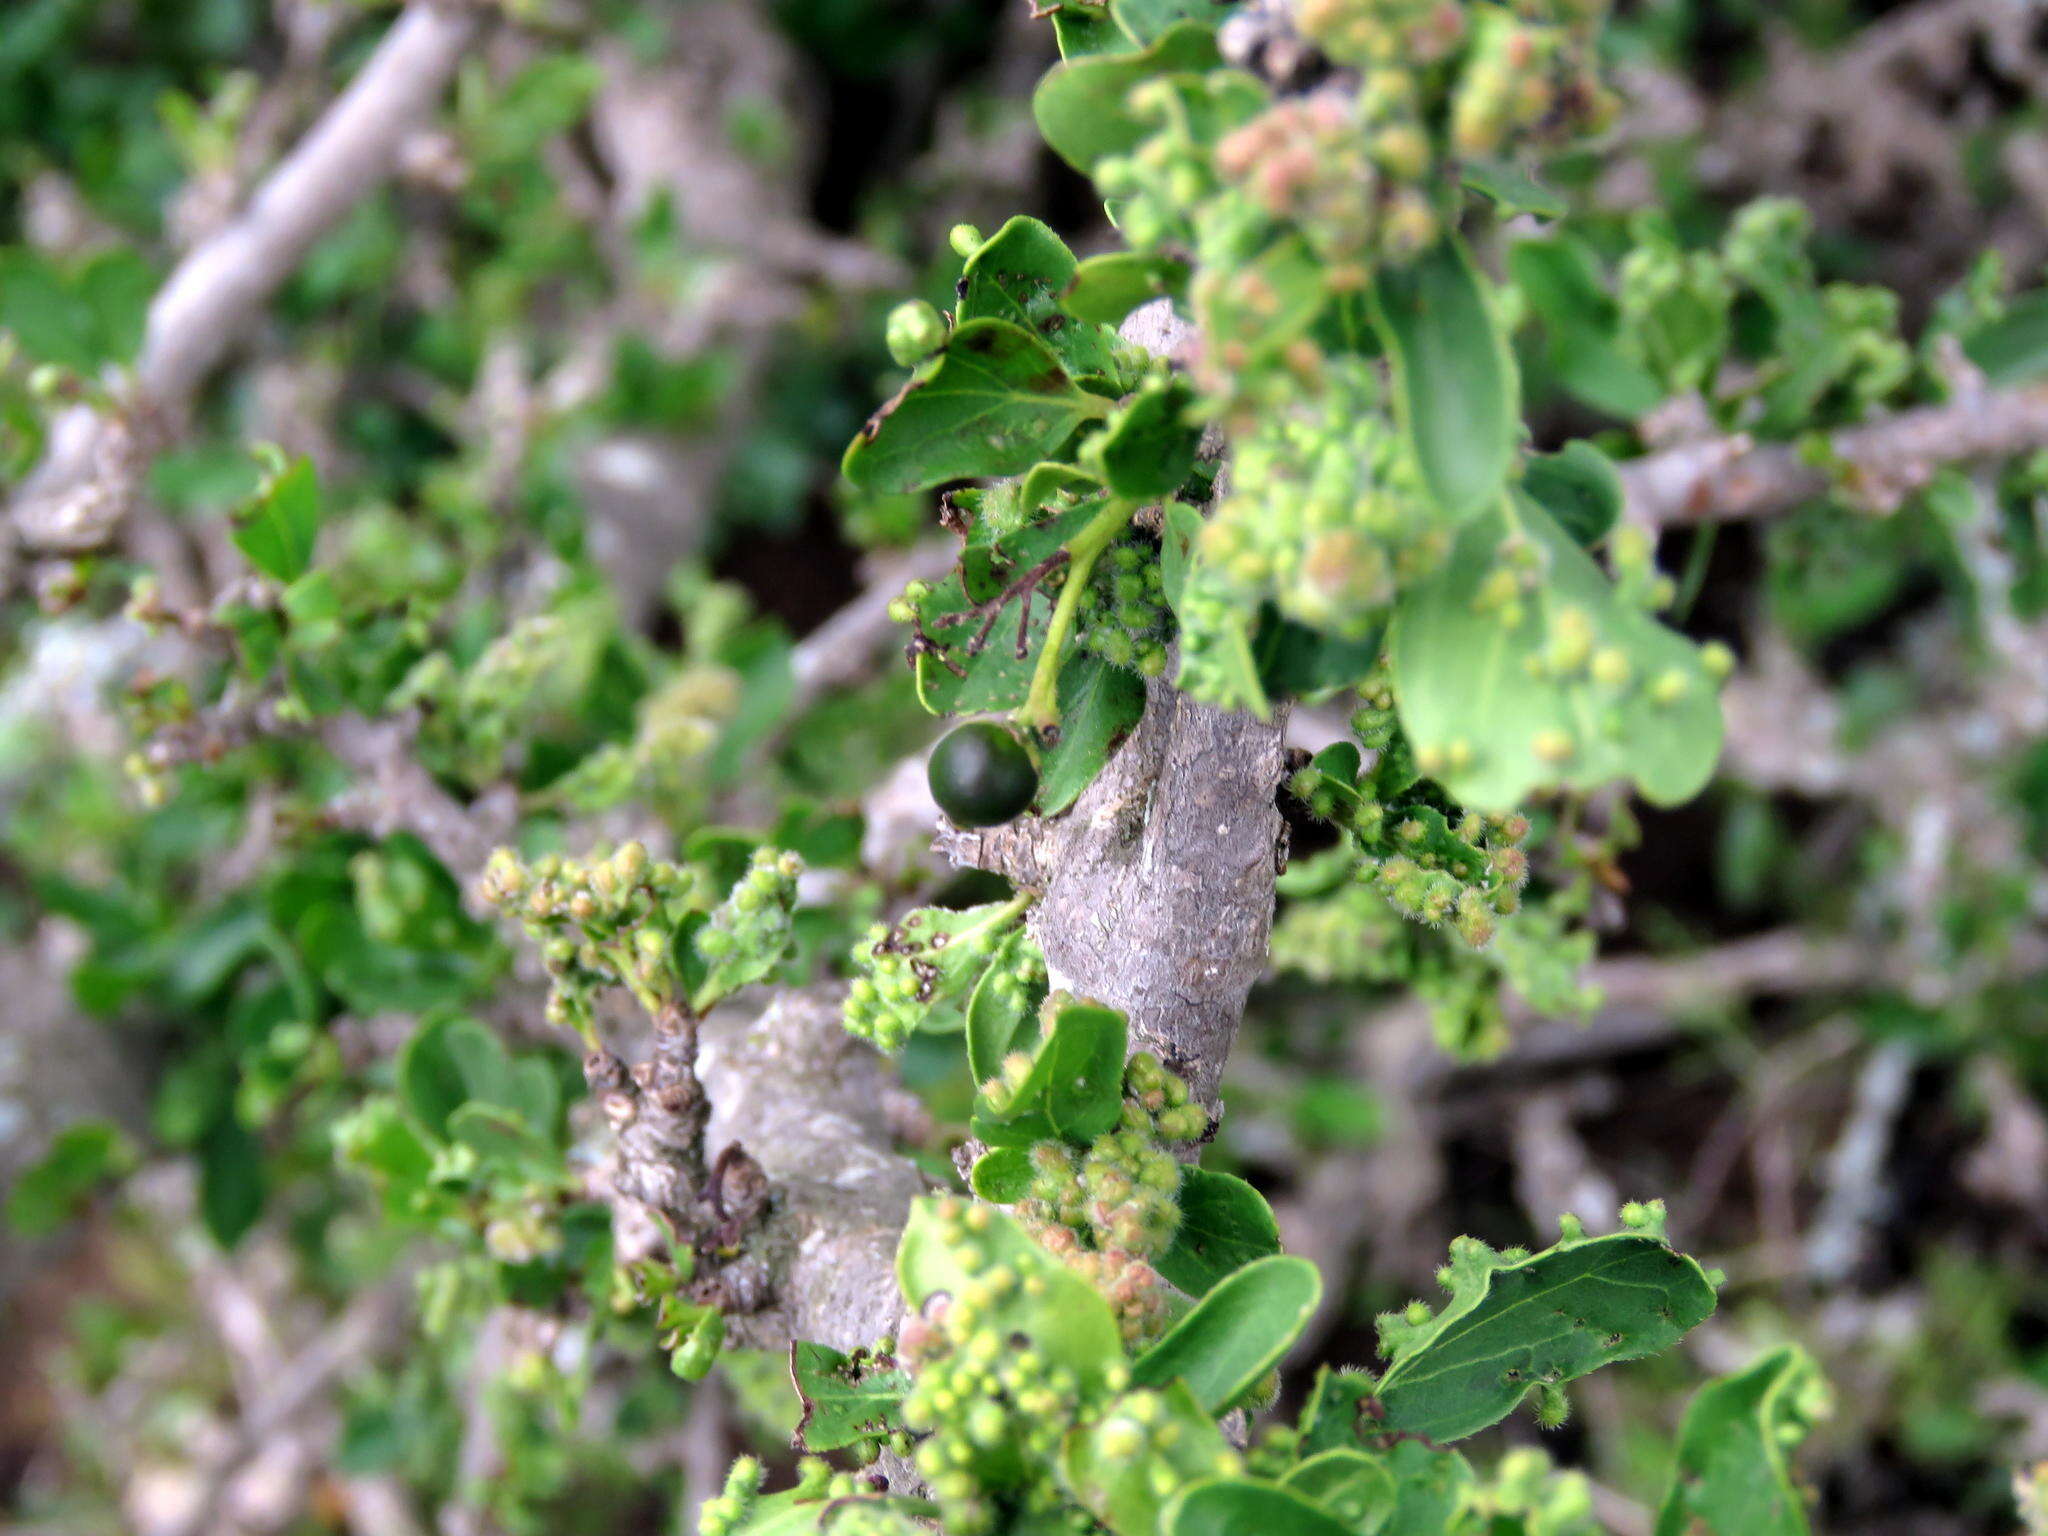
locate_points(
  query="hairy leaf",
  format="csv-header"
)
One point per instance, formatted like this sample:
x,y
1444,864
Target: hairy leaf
x,y
1178,1440
1514,1323
1099,704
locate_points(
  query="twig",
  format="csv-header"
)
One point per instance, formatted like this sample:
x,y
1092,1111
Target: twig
x,y
1878,464
78,495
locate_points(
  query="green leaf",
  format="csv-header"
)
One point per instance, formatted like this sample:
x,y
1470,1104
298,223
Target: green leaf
x,y
1099,706
1002,1176
1082,104
1732,1477
1106,288
1234,1506
996,1013
1148,447
1336,1410
1578,486
1075,1087
960,676
1561,281
451,1060
232,1182
1236,1333
1516,1322
1431,1486
1225,1224
846,1398
1145,21
276,528
948,1242
1356,1488
2011,348
1295,661
503,1141
1456,385
1179,1443
55,1187
1557,681
1018,275
995,403
1513,188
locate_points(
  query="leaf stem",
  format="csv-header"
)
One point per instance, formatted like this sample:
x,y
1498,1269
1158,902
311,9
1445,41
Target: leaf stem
x,y
1040,708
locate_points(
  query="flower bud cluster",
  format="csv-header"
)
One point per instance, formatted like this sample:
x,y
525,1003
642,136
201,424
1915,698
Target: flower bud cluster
x,y
1123,616
847,1494
933,959
1108,1210
1328,515
600,922
991,1407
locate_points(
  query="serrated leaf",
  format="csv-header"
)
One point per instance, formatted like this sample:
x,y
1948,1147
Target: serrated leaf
x,y
1234,1506
995,402
1578,486
1225,1224
1236,1333
276,529
1099,706
846,1398
1516,1323
1082,103
1018,275
1106,288
1732,1477
1495,719
1455,377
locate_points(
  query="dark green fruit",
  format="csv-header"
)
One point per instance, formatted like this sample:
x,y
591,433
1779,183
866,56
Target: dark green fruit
x,y
981,775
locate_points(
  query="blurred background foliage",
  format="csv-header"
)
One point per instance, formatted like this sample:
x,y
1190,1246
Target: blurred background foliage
x,y
561,409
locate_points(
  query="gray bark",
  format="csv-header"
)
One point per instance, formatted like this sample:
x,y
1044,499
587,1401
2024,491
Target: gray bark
x,y
819,1112
1158,884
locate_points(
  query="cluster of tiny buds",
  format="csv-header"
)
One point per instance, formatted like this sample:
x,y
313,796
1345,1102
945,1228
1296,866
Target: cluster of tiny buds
x,y
1108,1211
848,1493
992,1409
599,921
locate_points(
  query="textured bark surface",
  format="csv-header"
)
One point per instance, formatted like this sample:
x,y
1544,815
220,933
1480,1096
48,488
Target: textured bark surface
x,y
819,1111
1158,884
